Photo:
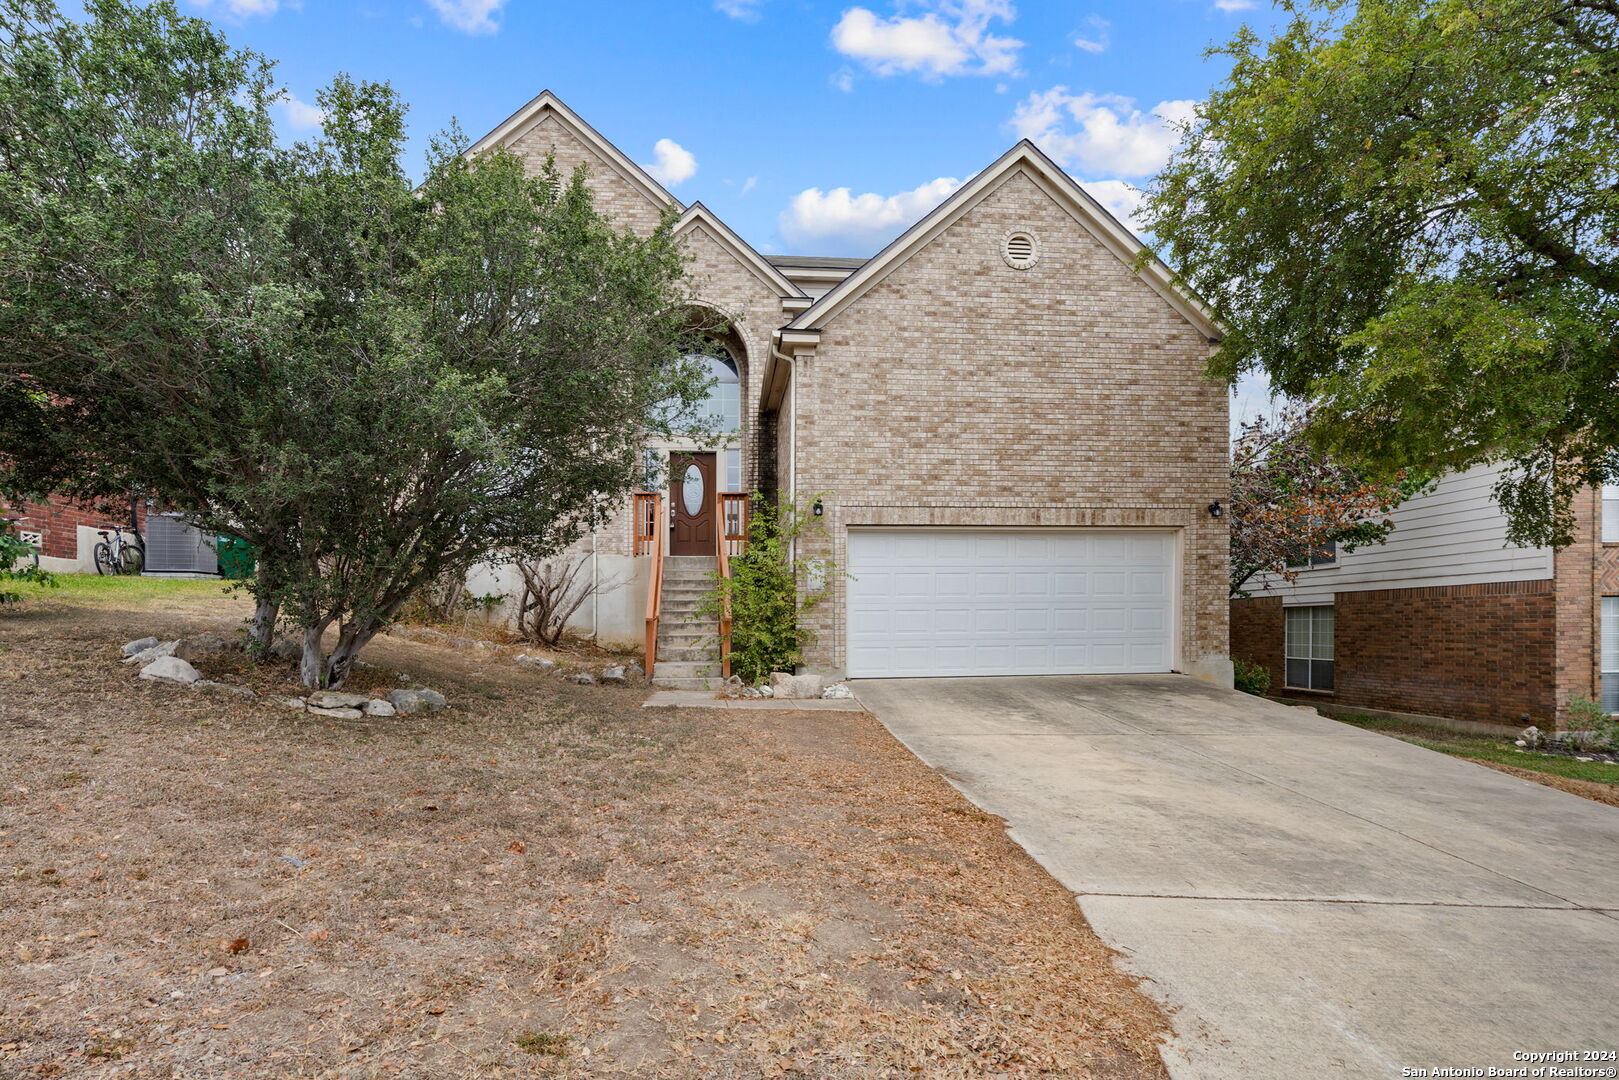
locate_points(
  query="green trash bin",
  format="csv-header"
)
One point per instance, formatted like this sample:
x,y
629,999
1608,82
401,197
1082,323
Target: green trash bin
x,y
237,559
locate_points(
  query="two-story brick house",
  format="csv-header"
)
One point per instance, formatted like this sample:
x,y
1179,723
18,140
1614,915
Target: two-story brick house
x,y
1447,619
1005,420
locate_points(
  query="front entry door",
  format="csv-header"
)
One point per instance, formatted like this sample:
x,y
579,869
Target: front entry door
x,y
691,490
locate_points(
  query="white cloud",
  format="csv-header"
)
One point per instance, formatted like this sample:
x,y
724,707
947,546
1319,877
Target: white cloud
x,y
748,185
1097,41
1102,133
1122,200
745,10
671,163
240,9
300,114
859,223
470,16
1230,6
949,37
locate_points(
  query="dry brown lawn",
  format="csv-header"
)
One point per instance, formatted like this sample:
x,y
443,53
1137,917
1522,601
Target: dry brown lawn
x,y
544,880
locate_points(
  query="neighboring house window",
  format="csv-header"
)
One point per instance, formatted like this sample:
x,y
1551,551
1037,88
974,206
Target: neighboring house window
x,y
1325,555
1610,653
733,470
1610,513
1308,648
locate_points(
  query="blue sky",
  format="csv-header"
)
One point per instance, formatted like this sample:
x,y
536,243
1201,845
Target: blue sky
x,y
812,128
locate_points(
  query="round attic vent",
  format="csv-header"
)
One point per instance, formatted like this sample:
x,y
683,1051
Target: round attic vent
x,y
1020,251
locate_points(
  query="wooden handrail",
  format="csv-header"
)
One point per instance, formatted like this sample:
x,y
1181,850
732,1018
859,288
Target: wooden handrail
x,y
654,592
734,510
722,564
644,527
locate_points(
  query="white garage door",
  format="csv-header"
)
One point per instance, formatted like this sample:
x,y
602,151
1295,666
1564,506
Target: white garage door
x,y
936,602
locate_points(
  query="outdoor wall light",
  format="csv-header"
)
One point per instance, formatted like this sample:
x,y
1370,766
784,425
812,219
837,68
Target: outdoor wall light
x,y
817,509
1215,510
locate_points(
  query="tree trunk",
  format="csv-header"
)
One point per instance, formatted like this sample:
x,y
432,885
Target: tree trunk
x,y
352,638
310,669
261,629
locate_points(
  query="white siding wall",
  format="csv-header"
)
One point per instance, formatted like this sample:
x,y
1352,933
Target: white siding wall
x,y
1454,535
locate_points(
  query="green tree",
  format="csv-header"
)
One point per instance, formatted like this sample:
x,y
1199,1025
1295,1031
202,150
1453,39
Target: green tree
x,y
1407,213
17,563
1291,504
373,381
766,592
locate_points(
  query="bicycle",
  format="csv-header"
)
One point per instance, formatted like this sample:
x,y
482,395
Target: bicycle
x,y
118,555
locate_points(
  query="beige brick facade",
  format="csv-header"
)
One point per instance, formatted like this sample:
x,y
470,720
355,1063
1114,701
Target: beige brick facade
x,y
960,391
616,196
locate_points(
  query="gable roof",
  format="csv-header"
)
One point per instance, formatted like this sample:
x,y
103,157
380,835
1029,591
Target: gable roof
x,y
520,121
1091,215
739,248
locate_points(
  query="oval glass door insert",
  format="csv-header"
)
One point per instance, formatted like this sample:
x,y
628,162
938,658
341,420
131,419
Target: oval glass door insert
x,y
691,490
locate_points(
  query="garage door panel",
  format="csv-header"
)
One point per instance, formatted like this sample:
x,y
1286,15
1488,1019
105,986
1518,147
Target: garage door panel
x,y
1146,619
1070,584
1070,619
1109,583
939,602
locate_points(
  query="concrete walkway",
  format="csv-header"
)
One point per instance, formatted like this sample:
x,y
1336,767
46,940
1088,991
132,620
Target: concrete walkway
x,y
1307,899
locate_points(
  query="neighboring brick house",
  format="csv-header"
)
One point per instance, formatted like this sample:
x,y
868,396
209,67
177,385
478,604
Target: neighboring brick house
x,y
1005,419
66,532
1446,619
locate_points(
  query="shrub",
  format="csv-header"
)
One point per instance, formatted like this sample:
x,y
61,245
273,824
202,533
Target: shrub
x,y
1251,678
553,592
1585,715
16,563
764,595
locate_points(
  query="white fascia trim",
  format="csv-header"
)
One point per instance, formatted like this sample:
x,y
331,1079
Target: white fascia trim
x,y
526,117
739,248
1089,213
778,371
790,340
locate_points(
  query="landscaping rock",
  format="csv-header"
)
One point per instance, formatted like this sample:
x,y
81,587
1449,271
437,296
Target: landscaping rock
x,y
335,699
636,671
139,645
584,678
783,685
379,707
752,692
538,663
294,703
146,656
415,701
1532,737
614,676
200,646
837,690
287,649
765,691
170,669
337,714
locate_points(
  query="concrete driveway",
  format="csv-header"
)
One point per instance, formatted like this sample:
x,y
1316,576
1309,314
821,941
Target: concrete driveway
x,y
1308,899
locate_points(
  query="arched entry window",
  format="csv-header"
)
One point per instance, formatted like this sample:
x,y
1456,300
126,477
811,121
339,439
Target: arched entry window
x,y
724,404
